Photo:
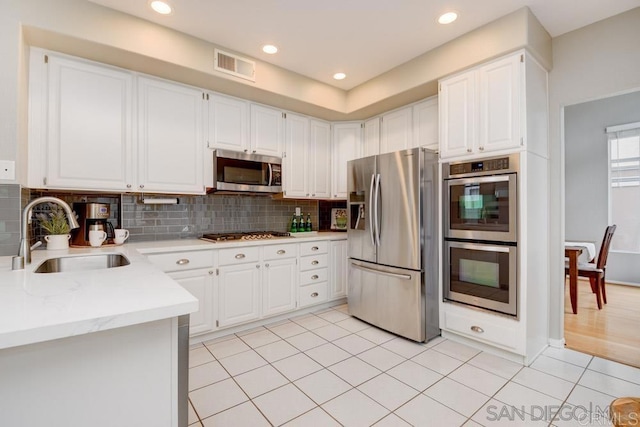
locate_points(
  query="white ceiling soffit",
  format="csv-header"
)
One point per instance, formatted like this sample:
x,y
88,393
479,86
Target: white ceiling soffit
x,y
363,38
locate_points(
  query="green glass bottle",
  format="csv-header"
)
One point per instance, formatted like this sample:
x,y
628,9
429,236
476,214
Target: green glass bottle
x,y
294,224
309,227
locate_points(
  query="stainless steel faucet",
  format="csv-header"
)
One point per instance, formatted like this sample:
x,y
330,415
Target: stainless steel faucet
x,y
24,256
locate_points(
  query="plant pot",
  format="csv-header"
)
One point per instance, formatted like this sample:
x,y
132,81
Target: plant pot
x,y
57,241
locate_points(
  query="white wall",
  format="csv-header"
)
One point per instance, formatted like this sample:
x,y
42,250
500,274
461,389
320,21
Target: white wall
x,y
593,62
586,176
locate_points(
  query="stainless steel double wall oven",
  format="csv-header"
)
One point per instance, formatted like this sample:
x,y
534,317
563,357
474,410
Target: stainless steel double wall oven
x,y
480,212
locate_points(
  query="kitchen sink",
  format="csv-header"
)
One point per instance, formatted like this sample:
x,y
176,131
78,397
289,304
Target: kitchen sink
x,y
82,263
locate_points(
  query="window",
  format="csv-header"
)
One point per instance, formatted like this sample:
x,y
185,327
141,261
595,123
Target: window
x,y
624,188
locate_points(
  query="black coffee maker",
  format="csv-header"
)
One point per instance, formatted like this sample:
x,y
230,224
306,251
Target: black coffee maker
x,y
91,216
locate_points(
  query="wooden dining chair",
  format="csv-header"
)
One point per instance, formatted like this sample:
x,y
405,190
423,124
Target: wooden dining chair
x,y
596,272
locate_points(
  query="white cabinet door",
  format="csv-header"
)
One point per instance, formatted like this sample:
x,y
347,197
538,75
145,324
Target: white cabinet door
x,y
200,283
347,138
396,131
238,294
338,269
425,124
278,286
170,142
319,159
228,123
89,126
295,173
457,115
266,131
371,144
499,91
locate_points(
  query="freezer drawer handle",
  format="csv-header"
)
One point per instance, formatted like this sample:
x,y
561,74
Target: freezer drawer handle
x,y
281,252
182,261
315,294
477,329
240,256
314,277
384,273
314,262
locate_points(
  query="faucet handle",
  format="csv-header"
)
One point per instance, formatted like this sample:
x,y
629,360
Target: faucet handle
x,y
36,244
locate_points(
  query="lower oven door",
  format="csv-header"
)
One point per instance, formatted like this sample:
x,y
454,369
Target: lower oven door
x,y
481,274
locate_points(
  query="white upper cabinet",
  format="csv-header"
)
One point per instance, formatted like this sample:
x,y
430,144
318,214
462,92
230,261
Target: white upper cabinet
x,y
396,131
228,123
81,125
347,139
320,156
481,110
266,131
371,143
170,142
425,123
295,170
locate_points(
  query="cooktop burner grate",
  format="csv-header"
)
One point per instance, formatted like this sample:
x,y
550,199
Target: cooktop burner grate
x,y
247,235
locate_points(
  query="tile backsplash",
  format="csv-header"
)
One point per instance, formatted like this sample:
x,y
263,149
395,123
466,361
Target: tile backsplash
x,y
191,217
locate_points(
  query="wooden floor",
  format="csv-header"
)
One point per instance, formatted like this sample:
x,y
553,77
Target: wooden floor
x,y
611,333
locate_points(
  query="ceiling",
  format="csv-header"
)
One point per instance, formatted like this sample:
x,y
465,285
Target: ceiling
x,y
362,38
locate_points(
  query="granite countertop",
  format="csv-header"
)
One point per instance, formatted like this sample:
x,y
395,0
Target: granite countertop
x,y
41,307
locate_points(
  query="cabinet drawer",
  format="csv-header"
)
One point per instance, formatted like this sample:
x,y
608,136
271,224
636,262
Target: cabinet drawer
x,y
311,248
233,256
313,294
178,261
313,276
313,262
280,251
482,330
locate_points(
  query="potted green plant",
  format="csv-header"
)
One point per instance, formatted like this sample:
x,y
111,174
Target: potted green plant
x,y
55,223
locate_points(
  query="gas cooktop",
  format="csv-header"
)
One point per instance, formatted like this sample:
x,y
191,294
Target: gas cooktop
x,y
246,235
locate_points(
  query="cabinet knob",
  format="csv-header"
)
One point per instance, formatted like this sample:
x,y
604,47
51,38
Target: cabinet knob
x,y
240,256
468,150
281,252
246,151
315,248
254,151
307,194
477,329
315,262
313,295
313,195
183,261
211,272
141,185
314,277
481,148
128,185
258,266
266,265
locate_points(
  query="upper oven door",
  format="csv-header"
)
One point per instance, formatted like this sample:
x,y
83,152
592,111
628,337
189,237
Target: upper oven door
x,y
481,208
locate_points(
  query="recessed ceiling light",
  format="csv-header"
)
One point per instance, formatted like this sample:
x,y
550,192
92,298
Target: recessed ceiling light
x,y
161,7
270,49
447,18
339,76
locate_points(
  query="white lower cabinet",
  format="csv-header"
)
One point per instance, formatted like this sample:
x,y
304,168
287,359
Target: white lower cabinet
x,y
278,286
200,284
238,293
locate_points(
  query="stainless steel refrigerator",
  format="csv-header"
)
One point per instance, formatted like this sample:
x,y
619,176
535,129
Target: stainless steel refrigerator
x,y
393,242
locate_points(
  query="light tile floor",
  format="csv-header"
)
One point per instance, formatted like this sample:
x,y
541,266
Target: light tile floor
x,y
330,369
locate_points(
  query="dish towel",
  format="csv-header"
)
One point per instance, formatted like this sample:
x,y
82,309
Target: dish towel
x,y
588,252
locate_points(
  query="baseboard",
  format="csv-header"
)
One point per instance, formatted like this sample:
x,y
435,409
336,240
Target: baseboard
x,y
557,343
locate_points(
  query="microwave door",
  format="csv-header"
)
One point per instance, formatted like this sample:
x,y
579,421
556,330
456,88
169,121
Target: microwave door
x,y
360,231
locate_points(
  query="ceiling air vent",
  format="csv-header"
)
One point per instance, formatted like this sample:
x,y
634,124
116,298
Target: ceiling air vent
x,y
235,65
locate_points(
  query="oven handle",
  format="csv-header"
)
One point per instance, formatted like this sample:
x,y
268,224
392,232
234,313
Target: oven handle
x,y
480,246
371,231
270,173
377,206
480,179
384,273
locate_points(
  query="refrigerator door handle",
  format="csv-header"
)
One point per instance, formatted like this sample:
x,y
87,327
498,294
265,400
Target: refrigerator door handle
x,y
371,204
376,208
384,273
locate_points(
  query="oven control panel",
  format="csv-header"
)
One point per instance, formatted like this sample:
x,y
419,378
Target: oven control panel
x,y
482,167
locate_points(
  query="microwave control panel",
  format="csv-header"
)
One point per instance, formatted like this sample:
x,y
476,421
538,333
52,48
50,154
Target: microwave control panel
x,y
482,167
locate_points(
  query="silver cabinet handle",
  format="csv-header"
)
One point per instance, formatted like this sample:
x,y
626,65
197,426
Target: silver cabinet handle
x,y
258,266
211,272
313,295
182,261
240,256
315,248
246,151
481,148
128,185
477,329
281,252
314,277
315,262
141,185
254,151
266,265
468,150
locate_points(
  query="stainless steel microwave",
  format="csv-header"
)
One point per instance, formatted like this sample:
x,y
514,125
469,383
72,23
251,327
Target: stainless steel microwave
x,y
246,172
